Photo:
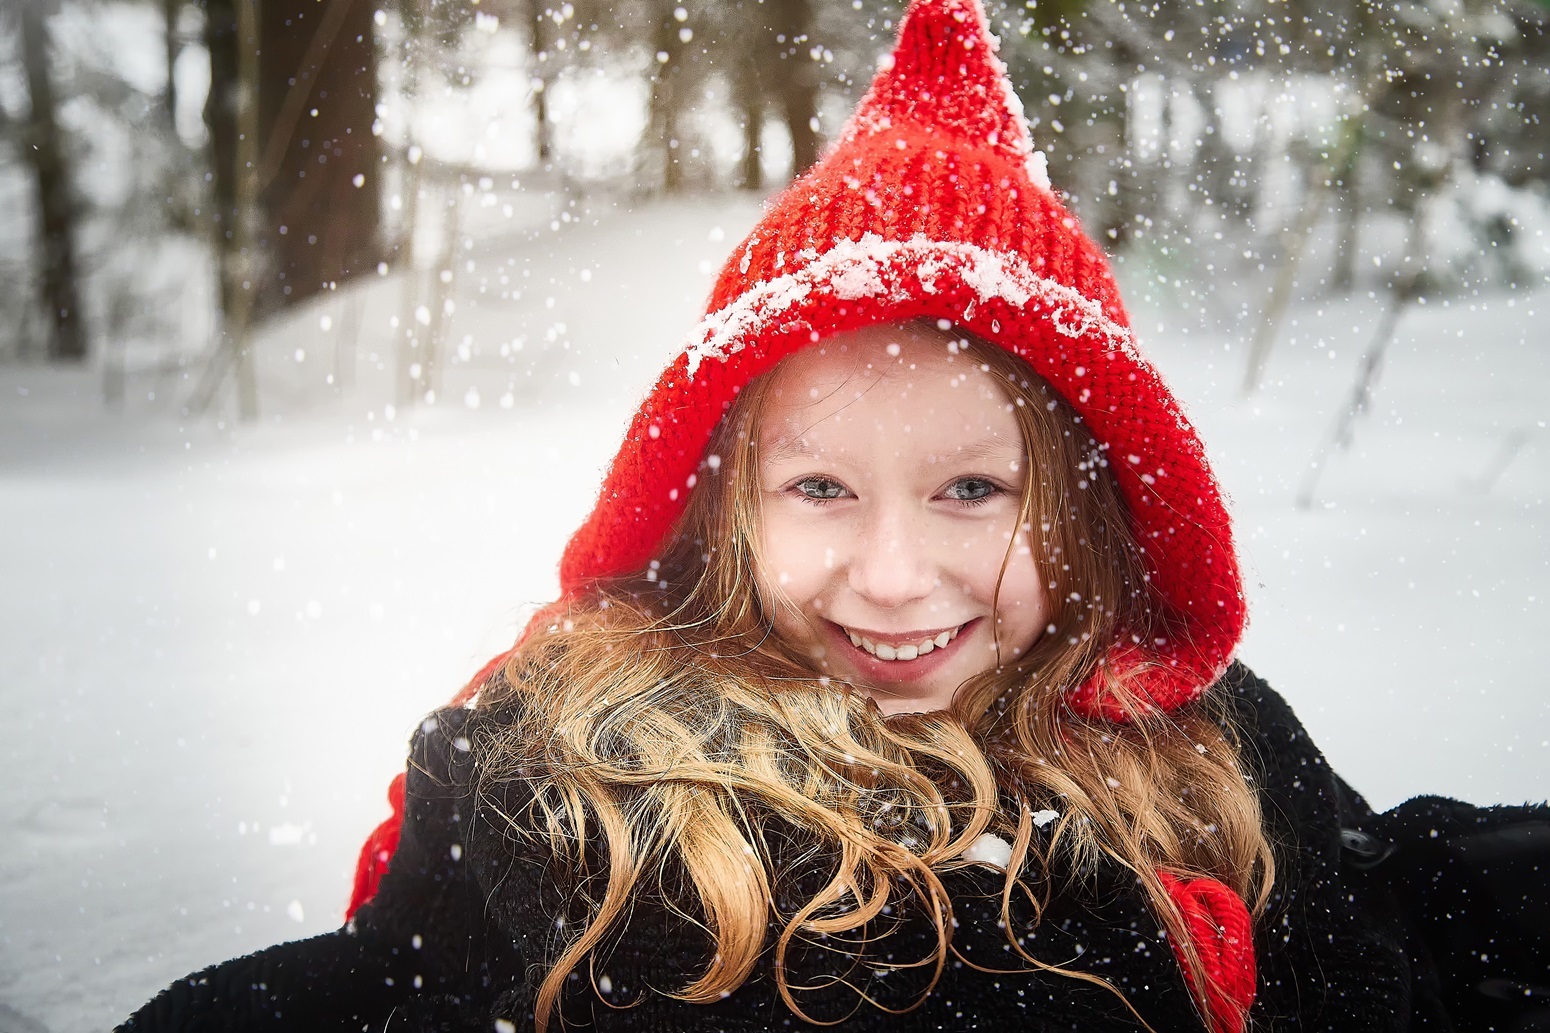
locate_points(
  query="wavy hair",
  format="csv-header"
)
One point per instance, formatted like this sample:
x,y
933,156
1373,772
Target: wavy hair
x,y
673,744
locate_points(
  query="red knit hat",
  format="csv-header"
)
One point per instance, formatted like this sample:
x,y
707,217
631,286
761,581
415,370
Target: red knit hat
x,y
934,204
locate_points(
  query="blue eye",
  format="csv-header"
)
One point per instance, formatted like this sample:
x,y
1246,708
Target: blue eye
x,y
971,489
820,489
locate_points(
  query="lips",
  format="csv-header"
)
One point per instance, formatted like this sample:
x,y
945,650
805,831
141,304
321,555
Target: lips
x,y
906,647
857,654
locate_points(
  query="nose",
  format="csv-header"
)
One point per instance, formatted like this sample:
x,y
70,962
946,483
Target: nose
x,y
890,562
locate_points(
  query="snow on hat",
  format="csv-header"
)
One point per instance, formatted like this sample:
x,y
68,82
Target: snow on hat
x,y
935,204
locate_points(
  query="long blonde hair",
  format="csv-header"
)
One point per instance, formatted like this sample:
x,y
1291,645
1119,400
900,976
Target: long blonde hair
x,y
665,730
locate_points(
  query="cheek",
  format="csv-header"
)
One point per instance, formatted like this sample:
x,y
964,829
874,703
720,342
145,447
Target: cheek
x,y
985,553
1023,586
795,558
1019,589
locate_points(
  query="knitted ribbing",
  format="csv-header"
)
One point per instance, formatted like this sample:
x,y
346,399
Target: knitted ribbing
x,y
1222,933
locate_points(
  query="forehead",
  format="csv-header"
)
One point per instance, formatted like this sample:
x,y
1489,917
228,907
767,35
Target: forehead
x,y
886,385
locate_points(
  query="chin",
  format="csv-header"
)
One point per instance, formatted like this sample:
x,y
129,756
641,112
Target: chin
x,y
904,698
892,706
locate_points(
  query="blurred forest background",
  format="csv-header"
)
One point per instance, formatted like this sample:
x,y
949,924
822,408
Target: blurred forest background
x,y
173,173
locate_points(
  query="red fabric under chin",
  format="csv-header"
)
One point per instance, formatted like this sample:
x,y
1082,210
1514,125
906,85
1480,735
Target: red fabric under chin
x,y
372,864
378,850
383,841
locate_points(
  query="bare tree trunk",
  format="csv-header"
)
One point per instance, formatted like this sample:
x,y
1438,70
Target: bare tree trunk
x,y
796,83
1343,277
56,204
170,11
244,271
1294,241
537,44
441,277
1359,401
319,163
220,115
1217,160
1119,197
1294,244
412,277
1406,288
239,253
666,97
346,344
410,386
317,160
750,101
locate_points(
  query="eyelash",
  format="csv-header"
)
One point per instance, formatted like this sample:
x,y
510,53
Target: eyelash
x,y
995,490
796,488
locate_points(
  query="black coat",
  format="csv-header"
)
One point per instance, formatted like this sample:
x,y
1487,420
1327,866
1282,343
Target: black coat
x,y
463,923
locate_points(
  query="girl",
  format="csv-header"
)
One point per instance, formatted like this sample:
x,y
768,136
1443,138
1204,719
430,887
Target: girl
x,y
891,683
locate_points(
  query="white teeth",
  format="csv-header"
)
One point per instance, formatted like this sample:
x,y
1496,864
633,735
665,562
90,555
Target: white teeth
x,y
909,651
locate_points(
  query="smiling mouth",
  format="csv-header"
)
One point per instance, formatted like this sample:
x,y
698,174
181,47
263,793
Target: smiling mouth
x,y
907,647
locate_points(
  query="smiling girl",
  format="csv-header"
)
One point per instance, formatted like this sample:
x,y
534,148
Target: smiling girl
x,y
891,685
892,551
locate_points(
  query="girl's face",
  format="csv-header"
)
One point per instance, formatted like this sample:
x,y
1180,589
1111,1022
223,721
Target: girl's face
x,y
891,472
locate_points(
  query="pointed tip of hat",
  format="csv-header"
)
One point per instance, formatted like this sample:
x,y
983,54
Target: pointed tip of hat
x,y
944,76
928,24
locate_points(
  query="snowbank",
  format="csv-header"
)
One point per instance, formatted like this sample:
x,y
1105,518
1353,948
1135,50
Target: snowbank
x,y
216,639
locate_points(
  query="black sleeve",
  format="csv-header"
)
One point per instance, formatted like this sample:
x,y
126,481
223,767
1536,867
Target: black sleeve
x,y
1474,884
1334,950
418,945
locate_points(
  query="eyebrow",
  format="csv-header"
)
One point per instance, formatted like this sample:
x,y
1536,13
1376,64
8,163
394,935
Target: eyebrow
x,y
982,449
988,448
788,449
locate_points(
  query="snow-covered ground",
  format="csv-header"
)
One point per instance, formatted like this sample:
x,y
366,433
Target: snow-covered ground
x,y
215,638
